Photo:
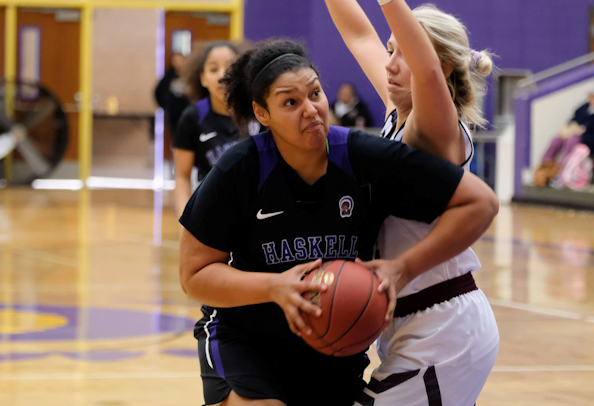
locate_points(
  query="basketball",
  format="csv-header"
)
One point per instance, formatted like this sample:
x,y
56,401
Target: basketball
x,y
353,311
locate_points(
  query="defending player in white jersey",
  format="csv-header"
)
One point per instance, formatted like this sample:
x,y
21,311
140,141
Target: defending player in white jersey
x,y
443,340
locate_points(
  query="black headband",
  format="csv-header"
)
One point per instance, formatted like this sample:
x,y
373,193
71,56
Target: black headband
x,y
278,58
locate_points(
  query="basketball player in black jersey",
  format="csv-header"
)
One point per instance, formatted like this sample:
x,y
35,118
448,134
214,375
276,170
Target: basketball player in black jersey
x,y
273,207
205,129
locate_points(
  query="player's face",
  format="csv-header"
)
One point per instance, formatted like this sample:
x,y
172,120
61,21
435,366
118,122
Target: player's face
x,y
217,62
177,61
398,75
297,111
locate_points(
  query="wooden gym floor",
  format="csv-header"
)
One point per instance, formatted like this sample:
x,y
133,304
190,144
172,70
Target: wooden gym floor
x,y
91,312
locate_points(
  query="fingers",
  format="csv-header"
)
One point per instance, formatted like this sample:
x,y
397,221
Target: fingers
x,y
298,326
371,265
310,286
294,318
313,287
313,265
292,325
304,269
390,289
311,308
384,285
392,297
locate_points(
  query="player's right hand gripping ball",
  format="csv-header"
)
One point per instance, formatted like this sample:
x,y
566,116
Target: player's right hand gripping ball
x,y
353,311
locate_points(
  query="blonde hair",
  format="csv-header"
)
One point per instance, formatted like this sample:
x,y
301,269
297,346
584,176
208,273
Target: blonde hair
x,y
467,82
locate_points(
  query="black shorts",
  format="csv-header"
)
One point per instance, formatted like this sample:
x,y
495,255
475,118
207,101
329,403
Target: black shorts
x,y
271,368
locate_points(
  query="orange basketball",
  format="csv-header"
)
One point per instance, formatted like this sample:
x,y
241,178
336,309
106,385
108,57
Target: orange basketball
x,y
353,310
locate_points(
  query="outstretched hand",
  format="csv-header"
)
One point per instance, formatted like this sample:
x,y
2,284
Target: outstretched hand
x,y
288,291
392,275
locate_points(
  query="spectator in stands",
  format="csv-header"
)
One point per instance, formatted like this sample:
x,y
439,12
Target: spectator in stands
x,y
584,116
579,132
170,92
348,110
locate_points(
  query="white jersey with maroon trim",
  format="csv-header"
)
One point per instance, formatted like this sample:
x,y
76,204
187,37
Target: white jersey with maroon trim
x,y
398,235
441,355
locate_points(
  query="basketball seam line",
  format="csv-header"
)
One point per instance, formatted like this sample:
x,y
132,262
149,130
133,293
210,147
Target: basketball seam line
x,y
332,303
358,318
366,338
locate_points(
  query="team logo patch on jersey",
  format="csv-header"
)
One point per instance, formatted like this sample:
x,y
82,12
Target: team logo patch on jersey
x,y
346,205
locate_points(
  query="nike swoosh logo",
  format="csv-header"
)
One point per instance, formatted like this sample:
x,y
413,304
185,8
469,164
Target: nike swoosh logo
x,y
261,216
206,137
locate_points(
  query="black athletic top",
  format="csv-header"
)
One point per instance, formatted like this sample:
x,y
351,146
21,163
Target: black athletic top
x,y
255,206
169,94
207,134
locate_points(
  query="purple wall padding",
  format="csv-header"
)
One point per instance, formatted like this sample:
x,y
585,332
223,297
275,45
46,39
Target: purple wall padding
x,y
269,18
523,115
525,34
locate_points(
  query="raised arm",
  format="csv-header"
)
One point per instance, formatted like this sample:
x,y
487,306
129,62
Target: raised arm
x,y
433,124
360,37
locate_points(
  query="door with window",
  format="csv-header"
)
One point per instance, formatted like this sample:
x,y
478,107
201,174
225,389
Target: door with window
x,y
182,30
48,52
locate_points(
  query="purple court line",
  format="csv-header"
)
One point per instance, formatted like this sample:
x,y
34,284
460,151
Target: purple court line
x,y
523,243
112,355
103,324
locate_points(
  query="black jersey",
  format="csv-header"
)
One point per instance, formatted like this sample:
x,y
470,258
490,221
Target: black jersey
x,y
253,205
207,134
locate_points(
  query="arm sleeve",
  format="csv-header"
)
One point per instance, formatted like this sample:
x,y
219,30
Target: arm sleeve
x,y
405,182
187,130
212,214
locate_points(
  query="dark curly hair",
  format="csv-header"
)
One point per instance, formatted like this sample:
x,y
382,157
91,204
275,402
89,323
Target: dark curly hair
x,y
194,67
249,78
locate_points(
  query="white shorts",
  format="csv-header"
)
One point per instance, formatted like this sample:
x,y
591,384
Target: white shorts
x,y
441,356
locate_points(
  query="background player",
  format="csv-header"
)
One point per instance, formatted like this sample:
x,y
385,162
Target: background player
x,y
170,94
433,78
205,129
271,204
